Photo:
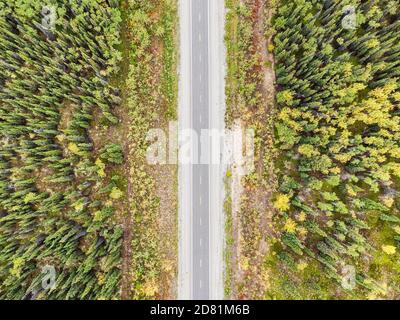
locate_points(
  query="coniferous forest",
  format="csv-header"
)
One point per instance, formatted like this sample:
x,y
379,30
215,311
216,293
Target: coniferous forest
x,y
69,96
319,80
56,205
338,132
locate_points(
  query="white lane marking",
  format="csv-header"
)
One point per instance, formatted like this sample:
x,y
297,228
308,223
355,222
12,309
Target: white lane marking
x,y
200,119
201,263
200,57
201,284
199,16
200,78
201,200
201,179
201,221
200,38
201,242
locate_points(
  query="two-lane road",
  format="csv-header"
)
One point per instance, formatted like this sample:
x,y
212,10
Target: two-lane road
x,y
200,107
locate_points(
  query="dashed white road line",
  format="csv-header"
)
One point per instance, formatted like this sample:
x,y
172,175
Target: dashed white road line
x,y
217,67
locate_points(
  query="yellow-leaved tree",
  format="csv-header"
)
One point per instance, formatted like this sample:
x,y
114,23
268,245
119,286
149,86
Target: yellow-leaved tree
x,y
282,202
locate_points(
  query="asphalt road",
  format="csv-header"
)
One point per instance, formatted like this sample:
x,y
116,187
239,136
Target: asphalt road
x,y
200,172
201,188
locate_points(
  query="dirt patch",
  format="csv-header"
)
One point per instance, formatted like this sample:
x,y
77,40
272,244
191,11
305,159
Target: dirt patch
x,y
123,114
251,194
66,114
166,185
150,222
236,191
